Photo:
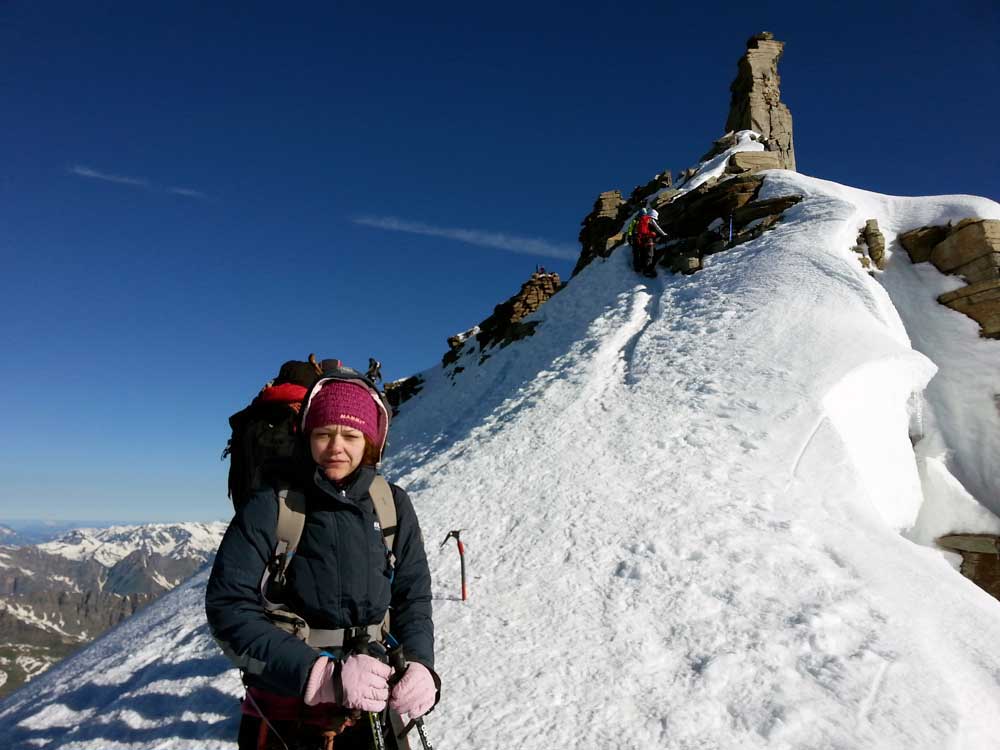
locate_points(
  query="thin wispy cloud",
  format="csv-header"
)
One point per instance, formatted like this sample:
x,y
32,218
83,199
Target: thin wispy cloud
x,y
81,171
187,192
496,240
139,182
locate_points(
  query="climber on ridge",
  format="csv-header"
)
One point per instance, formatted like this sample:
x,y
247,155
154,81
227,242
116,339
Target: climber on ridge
x,y
374,373
644,243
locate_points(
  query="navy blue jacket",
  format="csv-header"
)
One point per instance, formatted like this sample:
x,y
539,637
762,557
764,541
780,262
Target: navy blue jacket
x,y
338,578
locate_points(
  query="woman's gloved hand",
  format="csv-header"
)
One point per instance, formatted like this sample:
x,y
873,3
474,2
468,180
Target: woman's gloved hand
x,y
415,693
357,682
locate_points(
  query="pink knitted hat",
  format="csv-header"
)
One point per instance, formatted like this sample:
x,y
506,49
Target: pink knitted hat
x,y
345,404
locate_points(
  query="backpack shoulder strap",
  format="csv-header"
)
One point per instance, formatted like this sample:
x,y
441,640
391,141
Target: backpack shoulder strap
x,y
291,521
385,509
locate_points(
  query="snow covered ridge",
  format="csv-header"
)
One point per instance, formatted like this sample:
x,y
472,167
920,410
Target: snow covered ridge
x,y
698,513
109,546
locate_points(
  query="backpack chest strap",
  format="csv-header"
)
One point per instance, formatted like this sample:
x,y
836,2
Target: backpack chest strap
x,y
323,639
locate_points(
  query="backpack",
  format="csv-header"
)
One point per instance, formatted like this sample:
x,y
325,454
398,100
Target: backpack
x,y
264,442
264,449
642,231
630,231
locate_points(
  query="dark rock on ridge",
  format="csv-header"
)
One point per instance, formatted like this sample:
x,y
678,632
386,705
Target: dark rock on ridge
x,y
919,242
753,161
600,226
400,391
504,325
980,558
871,241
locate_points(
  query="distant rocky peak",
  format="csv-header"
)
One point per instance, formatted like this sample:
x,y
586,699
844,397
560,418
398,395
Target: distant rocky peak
x,y
756,98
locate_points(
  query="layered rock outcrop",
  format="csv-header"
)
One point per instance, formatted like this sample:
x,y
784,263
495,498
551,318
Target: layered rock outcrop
x,y
707,219
717,216
503,327
400,391
601,226
871,245
970,249
980,558
919,242
756,98
755,106
505,324
753,161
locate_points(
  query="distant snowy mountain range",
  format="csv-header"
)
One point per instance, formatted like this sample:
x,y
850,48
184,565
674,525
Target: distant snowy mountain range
x,y
60,594
31,531
109,546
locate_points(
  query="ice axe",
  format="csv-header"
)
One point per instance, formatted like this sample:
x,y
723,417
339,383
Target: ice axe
x,y
461,554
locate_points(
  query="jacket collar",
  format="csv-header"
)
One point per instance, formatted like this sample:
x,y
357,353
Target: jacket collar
x,y
354,487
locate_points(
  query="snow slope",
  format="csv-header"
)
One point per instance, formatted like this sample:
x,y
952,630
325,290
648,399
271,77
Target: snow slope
x,y
689,507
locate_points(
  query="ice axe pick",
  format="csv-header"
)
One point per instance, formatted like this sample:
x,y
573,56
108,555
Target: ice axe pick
x,y
461,555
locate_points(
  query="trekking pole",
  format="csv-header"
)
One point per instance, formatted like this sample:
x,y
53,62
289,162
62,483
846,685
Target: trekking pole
x,y
398,662
419,724
377,734
730,229
359,645
461,554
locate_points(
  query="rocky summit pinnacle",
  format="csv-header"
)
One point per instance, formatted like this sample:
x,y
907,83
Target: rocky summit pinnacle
x,y
756,101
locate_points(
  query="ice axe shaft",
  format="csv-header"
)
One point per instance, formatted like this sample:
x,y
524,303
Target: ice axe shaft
x,y
461,555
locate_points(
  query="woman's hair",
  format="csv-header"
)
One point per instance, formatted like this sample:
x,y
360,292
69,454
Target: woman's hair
x,y
371,455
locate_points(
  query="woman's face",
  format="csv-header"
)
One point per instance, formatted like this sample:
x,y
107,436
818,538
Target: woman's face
x,y
337,450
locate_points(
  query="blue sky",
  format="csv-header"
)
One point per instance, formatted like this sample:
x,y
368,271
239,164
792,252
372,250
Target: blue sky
x,y
190,196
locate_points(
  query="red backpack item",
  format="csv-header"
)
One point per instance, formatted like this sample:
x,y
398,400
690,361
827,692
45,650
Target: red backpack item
x,y
642,231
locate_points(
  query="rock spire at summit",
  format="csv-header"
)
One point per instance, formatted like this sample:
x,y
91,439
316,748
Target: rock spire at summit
x,y
756,101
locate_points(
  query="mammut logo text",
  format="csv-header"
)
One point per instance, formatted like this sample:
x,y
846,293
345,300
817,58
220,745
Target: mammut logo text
x,y
352,418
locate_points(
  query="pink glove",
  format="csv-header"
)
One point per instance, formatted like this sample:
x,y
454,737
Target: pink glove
x,y
363,683
414,695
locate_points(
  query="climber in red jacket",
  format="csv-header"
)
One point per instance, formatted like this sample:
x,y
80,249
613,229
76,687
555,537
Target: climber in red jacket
x,y
644,243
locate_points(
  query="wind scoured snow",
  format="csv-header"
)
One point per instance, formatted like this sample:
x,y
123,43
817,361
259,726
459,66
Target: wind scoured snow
x,y
684,504
963,399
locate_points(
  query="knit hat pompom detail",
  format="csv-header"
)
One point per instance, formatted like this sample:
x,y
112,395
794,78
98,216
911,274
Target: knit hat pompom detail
x,y
346,404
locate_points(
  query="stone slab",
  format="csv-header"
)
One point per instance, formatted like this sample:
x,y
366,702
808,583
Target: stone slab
x,y
965,244
760,209
982,543
919,242
876,243
753,161
983,268
981,302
